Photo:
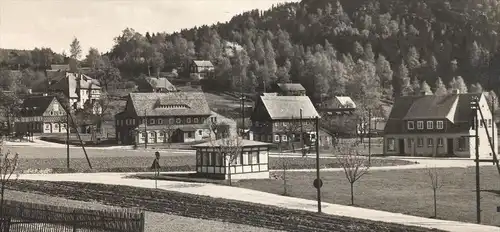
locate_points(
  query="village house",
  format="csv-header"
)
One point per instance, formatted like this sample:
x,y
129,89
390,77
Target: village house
x,y
155,118
430,125
250,159
81,90
289,89
225,126
337,105
152,84
41,115
280,118
201,69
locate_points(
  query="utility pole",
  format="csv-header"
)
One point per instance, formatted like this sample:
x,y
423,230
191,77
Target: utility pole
x,y
145,129
301,134
369,136
494,100
67,140
318,177
474,107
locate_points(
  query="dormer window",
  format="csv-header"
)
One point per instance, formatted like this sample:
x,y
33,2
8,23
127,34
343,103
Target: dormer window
x,y
430,125
173,106
411,125
152,121
420,125
439,125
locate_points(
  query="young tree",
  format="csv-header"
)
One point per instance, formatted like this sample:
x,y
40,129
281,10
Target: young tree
x,y
425,88
436,184
8,165
284,161
231,149
440,88
355,166
75,49
458,83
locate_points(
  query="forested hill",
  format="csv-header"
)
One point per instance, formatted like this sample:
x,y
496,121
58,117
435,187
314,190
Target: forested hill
x,y
364,49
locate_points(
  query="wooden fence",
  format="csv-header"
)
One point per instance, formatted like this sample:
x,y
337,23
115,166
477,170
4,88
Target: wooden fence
x,y
21,217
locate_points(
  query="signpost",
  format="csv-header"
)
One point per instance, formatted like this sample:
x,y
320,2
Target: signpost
x,y
156,166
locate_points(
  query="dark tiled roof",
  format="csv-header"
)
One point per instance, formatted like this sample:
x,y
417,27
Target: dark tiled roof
x,y
291,87
161,83
288,107
190,103
37,104
203,63
431,107
61,67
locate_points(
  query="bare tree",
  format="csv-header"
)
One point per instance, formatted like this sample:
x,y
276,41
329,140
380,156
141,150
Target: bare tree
x,y
228,146
436,184
291,129
8,165
285,165
354,164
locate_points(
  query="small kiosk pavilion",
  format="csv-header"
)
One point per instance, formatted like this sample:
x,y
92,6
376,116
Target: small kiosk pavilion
x,y
250,159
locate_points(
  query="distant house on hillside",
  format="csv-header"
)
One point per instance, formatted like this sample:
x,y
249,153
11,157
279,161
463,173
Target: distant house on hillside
x,y
152,84
81,90
337,105
201,69
60,67
157,118
41,115
430,125
289,89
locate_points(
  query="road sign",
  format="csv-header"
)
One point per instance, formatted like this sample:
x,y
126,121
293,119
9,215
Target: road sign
x,y
318,183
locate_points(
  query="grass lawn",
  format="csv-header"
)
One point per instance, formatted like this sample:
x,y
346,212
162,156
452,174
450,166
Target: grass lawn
x,y
400,191
169,163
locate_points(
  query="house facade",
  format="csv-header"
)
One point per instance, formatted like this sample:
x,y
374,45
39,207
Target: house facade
x,y
41,115
277,119
429,125
250,161
337,105
155,118
81,90
201,69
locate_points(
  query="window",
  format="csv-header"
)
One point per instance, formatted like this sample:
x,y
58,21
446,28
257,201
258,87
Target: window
x,y
143,134
133,121
284,138
190,134
430,125
253,157
391,144
56,107
152,121
410,142
489,122
440,142
236,159
481,123
178,120
462,144
170,121
430,142
198,157
188,120
195,120
276,138
439,125
220,160
420,142
213,159
206,158
420,125
411,125
200,132
160,121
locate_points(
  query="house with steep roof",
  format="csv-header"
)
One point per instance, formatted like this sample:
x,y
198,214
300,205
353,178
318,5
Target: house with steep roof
x,y
41,115
280,118
226,127
201,69
290,89
337,105
81,90
153,84
155,118
430,125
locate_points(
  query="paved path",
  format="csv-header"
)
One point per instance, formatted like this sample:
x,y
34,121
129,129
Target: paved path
x,y
253,196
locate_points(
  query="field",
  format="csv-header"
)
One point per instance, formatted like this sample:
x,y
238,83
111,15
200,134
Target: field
x,y
202,207
139,161
401,191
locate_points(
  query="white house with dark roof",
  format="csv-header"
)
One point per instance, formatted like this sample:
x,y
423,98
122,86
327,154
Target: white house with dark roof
x,y
41,115
201,69
153,84
81,90
156,118
290,89
430,125
280,118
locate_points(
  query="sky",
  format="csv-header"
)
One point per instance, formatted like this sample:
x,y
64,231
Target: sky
x,y
26,24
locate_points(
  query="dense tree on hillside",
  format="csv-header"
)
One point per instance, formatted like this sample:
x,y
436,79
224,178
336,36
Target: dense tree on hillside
x,y
440,89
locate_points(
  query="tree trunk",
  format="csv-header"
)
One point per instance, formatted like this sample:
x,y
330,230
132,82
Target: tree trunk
x,y
435,204
352,193
285,192
2,201
229,172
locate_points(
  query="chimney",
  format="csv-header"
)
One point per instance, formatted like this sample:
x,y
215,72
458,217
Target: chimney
x,y
455,91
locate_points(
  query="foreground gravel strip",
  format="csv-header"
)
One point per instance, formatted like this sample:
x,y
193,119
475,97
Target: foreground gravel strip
x,y
203,207
155,222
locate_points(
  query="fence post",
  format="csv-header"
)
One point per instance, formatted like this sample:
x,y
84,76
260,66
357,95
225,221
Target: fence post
x,y
142,222
74,220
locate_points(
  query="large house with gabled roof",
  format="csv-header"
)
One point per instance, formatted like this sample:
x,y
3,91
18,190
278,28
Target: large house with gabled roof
x,y
156,118
40,115
431,125
280,118
81,90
